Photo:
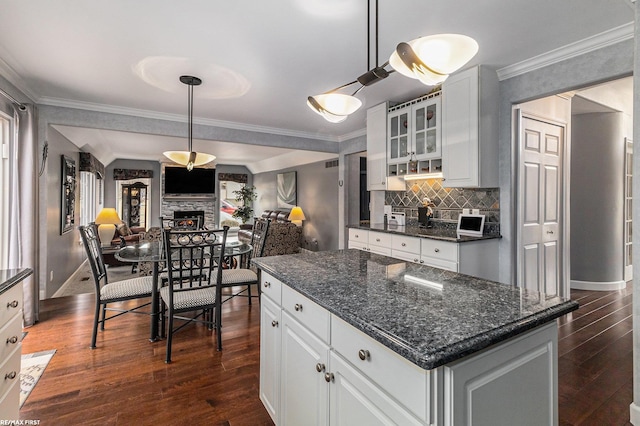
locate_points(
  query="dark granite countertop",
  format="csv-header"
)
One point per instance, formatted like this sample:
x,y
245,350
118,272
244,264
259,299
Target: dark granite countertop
x,y
436,233
11,277
377,295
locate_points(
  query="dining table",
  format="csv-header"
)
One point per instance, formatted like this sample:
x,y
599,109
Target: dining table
x,y
154,252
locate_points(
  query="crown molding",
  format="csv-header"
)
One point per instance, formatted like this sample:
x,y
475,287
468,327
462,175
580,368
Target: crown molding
x,y
113,109
14,78
589,44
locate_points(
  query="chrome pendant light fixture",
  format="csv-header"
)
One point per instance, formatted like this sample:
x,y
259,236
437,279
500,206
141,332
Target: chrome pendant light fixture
x,y
190,158
428,59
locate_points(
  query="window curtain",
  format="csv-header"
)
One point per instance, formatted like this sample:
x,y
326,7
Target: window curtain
x,y
23,184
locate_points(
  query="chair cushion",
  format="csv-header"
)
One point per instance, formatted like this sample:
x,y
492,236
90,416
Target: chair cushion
x,y
140,286
238,276
190,299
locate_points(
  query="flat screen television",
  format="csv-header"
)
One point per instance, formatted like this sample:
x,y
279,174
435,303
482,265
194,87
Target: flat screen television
x,y
180,181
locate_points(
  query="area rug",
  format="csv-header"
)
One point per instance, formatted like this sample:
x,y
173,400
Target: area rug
x,y
31,370
82,280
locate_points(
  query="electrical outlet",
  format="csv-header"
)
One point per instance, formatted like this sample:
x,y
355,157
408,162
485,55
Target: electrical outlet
x,y
51,276
466,211
475,211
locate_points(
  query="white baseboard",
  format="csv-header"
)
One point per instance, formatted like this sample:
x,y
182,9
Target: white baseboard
x,y
598,286
69,280
634,413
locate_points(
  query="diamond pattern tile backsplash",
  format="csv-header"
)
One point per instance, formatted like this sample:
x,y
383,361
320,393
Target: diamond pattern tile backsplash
x,y
449,202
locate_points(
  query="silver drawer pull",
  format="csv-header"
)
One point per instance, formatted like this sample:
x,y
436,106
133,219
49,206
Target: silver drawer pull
x,y
415,260
404,244
320,367
357,236
298,307
437,250
422,261
13,340
549,232
10,376
363,354
328,377
13,304
267,284
274,323
378,240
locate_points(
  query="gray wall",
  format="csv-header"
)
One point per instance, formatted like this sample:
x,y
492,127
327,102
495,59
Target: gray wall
x,y
597,197
63,253
317,195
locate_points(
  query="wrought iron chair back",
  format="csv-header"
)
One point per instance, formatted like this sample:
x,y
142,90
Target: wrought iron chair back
x,y
194,276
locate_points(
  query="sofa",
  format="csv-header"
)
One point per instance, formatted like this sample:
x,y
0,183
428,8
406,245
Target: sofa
x,y
283,237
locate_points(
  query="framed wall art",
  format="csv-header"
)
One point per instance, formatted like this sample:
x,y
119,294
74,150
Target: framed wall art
x,y
68,191
287,191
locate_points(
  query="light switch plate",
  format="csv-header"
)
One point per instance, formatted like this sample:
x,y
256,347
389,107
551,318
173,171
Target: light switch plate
x,y
466,211
475,211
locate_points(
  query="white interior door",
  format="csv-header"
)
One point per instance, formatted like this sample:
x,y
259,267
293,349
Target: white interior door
x,y
628,211
541,145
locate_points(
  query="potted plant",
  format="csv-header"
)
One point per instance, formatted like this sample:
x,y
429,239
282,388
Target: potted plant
x,y
246,195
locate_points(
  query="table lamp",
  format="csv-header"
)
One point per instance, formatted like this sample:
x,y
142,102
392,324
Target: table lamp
x,y
296,216
106,221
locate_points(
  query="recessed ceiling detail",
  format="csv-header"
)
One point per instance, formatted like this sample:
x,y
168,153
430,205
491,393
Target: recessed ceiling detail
x,y
218,82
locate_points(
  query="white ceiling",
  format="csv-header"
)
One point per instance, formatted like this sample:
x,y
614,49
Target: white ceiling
x,y
103,56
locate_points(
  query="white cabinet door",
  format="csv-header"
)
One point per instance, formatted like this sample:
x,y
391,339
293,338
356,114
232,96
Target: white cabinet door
x,y
304,392
355,400
270,344
469,129
377,147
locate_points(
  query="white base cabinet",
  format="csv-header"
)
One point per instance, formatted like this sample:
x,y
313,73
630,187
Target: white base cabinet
x,y
330,373
476,258
10,353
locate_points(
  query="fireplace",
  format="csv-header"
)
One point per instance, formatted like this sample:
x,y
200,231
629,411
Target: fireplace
x,y
179,214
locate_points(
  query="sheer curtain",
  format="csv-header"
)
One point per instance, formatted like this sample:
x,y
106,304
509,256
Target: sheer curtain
x,y
23,210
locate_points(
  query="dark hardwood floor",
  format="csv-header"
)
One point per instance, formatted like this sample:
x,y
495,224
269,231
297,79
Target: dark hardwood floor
x,y
125,380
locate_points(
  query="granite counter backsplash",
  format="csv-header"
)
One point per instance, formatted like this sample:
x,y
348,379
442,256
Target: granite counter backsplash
x,y
380,296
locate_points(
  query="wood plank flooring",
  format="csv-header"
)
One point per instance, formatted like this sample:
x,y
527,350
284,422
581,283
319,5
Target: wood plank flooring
x,y
125,380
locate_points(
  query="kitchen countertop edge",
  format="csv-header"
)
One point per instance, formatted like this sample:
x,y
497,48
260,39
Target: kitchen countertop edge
x,y
14,277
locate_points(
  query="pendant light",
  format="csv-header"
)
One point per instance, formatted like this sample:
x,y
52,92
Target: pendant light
x,y
190,158
428,59
431,59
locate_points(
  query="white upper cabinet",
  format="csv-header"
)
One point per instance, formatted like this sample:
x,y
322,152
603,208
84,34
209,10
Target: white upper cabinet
x,y
470,129
377,151
414,136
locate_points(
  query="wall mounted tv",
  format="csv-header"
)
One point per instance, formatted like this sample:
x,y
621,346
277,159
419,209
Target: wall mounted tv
x,y
180,181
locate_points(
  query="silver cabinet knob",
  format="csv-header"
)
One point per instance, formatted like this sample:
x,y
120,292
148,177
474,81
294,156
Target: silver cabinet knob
x,y
298,307
378,240
422,261
267,284
383,182
549,232
437,250
13,340
415,260
13,304
357,236
274,323
363,354
10,376
329,377
320,367
404,244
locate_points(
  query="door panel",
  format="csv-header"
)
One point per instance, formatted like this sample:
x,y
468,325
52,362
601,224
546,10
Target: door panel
x,y
541,146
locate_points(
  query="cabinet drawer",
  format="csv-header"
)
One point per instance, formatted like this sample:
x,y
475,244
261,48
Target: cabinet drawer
x,y
406,244
385,251
404,381
359,235
437,263
358,245
406,256
10,303
442,250
379,239
308,313
10,370
272,287
10,402
10,336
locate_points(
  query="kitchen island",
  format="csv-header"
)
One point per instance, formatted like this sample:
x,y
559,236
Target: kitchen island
x,y
352,337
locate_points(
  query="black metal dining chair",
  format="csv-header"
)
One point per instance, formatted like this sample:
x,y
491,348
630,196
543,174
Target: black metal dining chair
x,y
247,275
106,292
193,260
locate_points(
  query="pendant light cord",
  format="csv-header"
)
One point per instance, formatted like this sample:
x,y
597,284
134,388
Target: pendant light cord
x,y
190,116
